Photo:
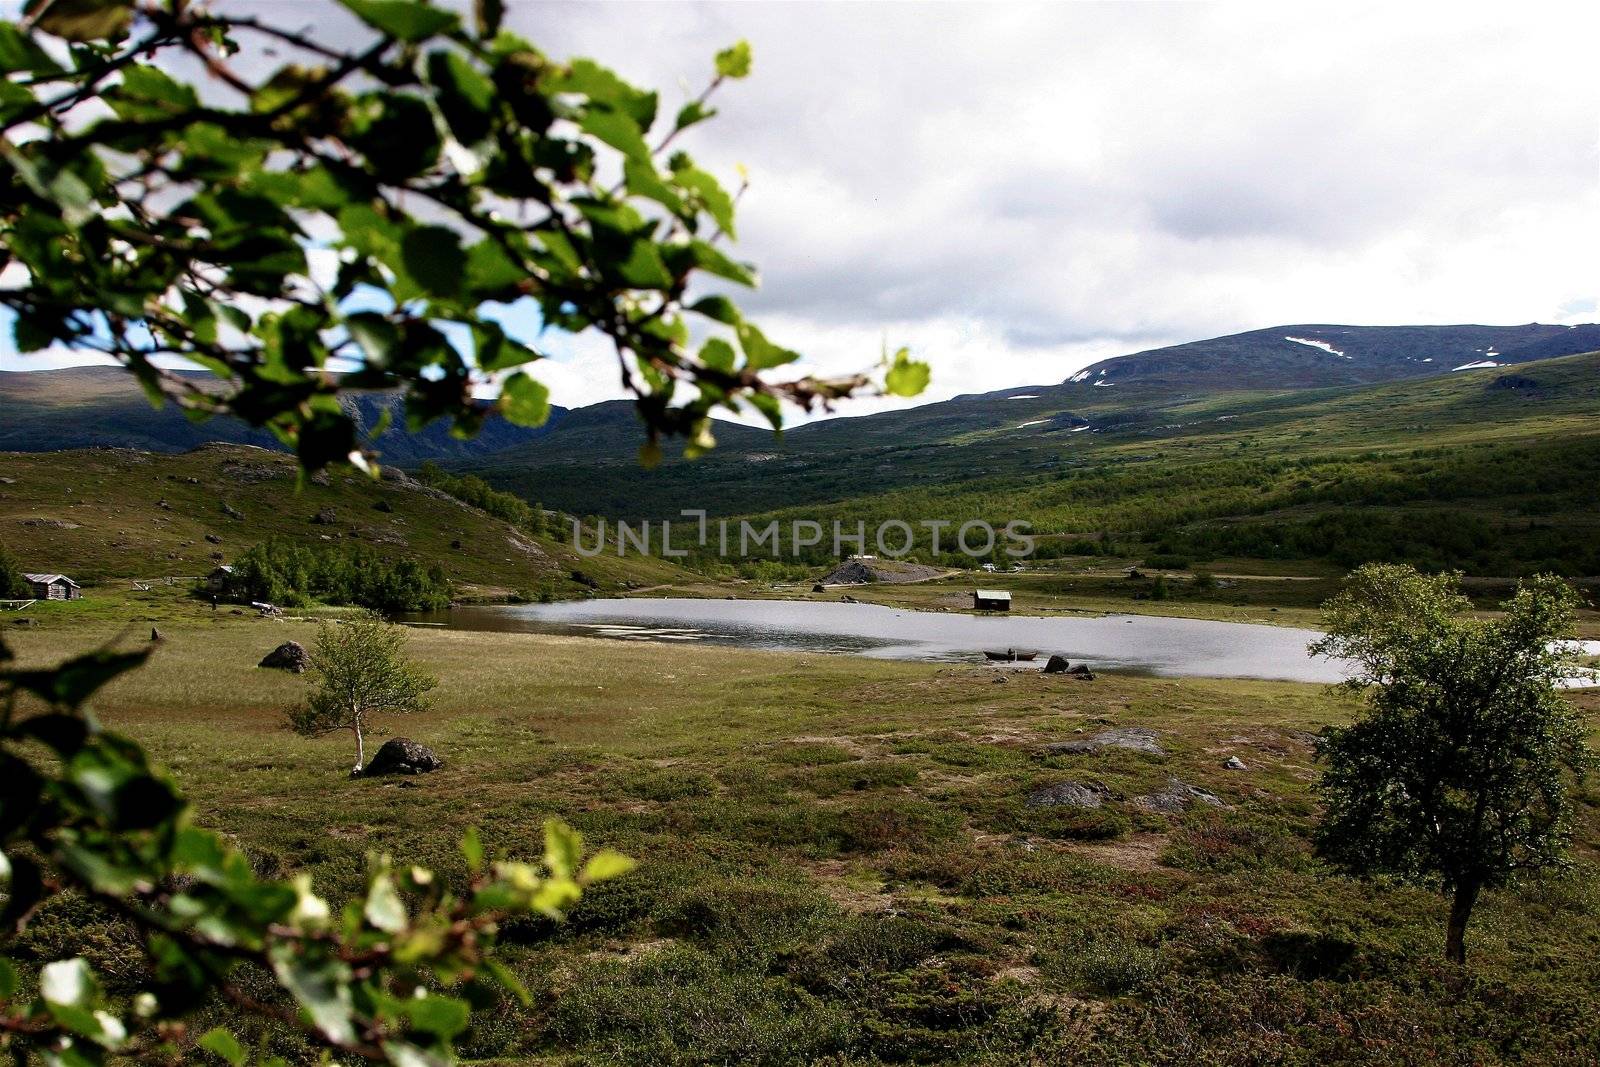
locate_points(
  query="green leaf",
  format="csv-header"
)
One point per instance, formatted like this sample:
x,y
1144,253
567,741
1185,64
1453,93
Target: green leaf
x,y
223,1045
472,849
641,179
384,908
507,980
404,20
707,258
719,308
643,269
524,401
443,1017
717,202
618,130
734,62
759,353
691,113
563,848
81,20
718,354
607,863
433,258
18,52
321,988
465,95
906,376
378,337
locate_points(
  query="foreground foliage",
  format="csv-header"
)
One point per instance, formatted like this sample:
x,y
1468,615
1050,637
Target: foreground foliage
x,y
1459,773
375,208
390,976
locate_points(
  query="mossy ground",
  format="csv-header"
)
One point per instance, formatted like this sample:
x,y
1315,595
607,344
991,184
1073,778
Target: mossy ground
x,y
839,865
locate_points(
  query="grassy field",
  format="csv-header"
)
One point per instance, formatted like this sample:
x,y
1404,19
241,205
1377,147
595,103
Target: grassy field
x,y
840,863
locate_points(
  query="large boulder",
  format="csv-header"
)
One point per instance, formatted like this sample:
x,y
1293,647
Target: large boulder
x,y
289,656
1057,664
1175,798
1129,737
1069,795
401,755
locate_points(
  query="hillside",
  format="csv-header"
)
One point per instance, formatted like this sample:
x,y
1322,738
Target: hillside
x,y
103,407
1487,469
99,514
1312,356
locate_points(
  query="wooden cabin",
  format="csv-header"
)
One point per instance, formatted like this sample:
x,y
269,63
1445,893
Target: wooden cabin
x,y
991,600
52,587
217,581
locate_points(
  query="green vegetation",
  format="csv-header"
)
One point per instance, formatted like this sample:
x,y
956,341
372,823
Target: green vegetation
x,y
291,575
87,822
360,671
103,514
11,581
839,862
507,507
1459,775
1445,472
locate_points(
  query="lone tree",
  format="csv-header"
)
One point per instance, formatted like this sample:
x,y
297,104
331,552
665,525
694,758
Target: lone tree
x,y
1457,775
361,671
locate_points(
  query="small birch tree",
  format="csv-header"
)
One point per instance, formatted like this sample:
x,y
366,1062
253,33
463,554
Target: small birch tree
x,y
1458,774
360,671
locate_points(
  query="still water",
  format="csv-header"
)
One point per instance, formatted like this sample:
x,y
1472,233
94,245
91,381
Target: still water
x,y
1144,643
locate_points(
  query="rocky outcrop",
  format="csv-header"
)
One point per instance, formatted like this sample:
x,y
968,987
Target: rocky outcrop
x,y
289,656
1057,665
860,571
401,755
1176,798
1069,795
1132,738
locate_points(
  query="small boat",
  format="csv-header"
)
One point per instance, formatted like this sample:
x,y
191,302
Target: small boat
x,y
1000,657
1024,657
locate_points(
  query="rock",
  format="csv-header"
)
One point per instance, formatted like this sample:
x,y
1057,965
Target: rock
x,y
1082,673
155,635
51,524
289,656
1000,680
213,539
1069,795
231,511
819,588
455,543
1056,665
1129,737
1233,763
849,600
325,517
1176,797
401,755
858,571
383,506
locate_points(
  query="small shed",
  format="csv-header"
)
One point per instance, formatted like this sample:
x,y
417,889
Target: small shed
x,y
991,600
52,587
218,579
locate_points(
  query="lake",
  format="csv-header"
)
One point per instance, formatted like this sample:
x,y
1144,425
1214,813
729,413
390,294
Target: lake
x,y
1145,643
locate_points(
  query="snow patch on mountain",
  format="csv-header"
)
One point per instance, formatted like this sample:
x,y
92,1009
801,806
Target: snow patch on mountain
x,y
1324,345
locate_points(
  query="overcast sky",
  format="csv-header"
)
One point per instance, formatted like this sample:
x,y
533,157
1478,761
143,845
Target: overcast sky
x,y
1015,191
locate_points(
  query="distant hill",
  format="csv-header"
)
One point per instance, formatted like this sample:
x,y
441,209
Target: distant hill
x,y
98,514
89,407
1314,356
